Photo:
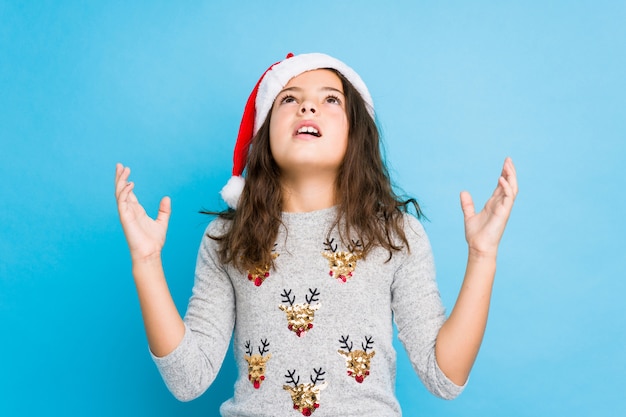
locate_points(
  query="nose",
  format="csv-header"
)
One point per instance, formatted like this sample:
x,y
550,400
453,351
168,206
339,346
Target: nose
x,y
307,106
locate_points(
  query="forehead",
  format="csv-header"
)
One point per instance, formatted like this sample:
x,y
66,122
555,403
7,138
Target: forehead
x,y
316,78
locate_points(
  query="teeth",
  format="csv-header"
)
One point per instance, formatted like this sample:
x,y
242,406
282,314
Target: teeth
x,y
308,129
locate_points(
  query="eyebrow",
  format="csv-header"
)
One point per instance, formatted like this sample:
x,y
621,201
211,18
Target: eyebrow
x,y
298,89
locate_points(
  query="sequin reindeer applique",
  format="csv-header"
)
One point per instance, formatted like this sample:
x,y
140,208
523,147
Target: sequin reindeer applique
x,y
305,397
357,361
257,362
343,263
259,274
300,315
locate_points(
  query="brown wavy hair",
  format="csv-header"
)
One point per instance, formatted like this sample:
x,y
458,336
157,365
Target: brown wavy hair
x,y
367,206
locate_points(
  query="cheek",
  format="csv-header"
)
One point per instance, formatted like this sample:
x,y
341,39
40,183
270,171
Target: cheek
x,y
273,140
277,153
342,142
343,130
277,132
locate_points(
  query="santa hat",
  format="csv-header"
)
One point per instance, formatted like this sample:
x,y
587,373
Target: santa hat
x,y
262,98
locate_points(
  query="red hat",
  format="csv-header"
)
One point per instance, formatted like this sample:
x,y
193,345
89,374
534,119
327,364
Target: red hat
x,y
262,98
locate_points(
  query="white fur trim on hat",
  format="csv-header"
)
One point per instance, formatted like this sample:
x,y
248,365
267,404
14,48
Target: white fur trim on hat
x,y
279,75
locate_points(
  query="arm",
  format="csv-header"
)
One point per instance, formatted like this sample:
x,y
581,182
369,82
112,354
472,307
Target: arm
x,y
460,337
146,237
418,310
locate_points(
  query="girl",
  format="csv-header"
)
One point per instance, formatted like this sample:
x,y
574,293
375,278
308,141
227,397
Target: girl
x,y
315,260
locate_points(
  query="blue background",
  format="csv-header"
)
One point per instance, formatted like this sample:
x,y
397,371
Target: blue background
x,y
458,86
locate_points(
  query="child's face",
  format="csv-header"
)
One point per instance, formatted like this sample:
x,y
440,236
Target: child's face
x,y
309,125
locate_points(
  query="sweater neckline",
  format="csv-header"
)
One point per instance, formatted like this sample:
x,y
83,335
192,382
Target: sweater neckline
x,y
315,215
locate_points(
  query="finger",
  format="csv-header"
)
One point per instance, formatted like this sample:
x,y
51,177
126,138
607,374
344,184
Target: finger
x,y
118,172
467,205
503,206
510,174
508,184
122,180
119,169
165,210
499,191
132,198
506,187
126,193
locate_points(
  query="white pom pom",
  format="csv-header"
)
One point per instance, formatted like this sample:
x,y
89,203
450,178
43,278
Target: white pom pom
x,y
232,191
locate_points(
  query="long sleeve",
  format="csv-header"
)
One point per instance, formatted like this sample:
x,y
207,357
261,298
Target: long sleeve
x,y
191,368
418,311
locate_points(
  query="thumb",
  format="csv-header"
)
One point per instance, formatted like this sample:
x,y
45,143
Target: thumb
x,y
467,205
165,209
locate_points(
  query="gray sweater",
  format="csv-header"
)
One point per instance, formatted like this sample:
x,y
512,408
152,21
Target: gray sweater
x,y
314,335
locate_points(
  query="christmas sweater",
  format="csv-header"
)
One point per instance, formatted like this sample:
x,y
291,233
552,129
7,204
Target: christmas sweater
x,y
314,334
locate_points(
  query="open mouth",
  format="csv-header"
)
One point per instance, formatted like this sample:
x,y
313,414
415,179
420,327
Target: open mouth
x,y
309,130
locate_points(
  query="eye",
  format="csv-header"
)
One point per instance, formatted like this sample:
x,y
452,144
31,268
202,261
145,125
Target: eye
x,y
287,99
332,99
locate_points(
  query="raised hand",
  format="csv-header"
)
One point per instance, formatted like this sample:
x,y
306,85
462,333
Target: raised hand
x,y
484,230
144,235
460,337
